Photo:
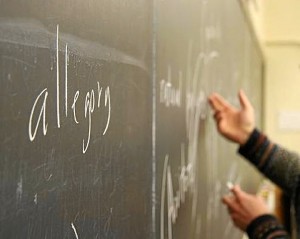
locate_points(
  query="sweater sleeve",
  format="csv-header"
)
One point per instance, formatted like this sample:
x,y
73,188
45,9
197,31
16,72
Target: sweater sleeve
x,y
266,227
275,162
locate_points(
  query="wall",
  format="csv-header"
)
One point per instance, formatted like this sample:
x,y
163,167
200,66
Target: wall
x,y
282,83
276,24
282,98
281,20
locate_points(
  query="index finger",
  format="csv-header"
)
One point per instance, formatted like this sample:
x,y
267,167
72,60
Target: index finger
x,y
217,102
238,192
231,203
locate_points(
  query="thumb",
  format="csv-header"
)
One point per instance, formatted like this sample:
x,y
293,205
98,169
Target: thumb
x,y
244,101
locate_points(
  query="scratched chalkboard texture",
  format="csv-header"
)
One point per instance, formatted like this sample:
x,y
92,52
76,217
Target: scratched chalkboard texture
x,y
105,131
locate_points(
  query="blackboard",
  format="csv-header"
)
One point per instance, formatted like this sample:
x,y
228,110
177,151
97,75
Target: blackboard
x,y
105,131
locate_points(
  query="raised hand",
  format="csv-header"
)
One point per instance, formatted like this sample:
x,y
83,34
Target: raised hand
x,y
234,124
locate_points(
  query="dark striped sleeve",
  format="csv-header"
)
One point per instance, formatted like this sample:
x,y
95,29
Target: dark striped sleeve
x,y
266,227
277,163
258,149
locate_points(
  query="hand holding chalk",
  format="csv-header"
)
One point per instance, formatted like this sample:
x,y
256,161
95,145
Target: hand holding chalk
x,y
243,207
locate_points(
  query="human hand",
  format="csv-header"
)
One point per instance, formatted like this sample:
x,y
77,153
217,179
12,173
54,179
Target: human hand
x,y
234,124
243,207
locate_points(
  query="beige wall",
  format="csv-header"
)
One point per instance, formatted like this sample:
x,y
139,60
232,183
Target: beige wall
x,y
282,95
282,20
277,25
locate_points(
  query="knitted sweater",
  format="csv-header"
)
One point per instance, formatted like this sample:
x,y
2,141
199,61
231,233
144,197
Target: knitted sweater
x,y
283,168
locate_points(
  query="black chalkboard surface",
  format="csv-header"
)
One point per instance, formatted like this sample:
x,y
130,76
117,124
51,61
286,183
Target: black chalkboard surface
x,y
104,125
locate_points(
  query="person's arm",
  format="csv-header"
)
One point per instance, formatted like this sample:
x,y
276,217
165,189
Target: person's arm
x,y
238,125
266,227
277,163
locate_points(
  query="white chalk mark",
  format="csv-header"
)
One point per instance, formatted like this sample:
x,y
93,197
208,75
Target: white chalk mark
x,y
34,34
74,106
75,231
57,78
99,93
228,228
183,180
66,80
88,110
162,200
43,111
35,199
171,209
107,100
108,222
19,190
213,54
50,176
229,185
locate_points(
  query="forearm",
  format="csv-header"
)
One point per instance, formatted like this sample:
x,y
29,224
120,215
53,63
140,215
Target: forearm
x,y
266,227
278,164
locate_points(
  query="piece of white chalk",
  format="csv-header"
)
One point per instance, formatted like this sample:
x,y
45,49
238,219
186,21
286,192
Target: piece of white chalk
x,y
229,185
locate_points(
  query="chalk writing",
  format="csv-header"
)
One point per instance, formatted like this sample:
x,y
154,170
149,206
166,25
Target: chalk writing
x,y
42,112
92,102
76,95
196,109
175,199
89,109
169,95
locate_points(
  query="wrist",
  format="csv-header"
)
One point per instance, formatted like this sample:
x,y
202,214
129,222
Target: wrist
x,y
262,226
246,135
